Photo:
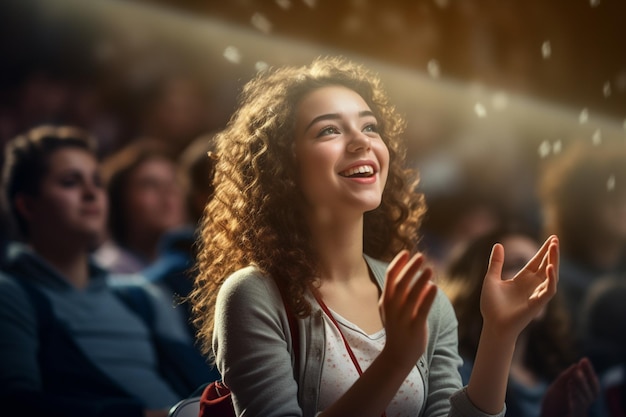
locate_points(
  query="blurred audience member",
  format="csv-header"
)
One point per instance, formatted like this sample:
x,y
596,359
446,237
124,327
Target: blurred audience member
x,y
604,339
583,194
173,110
55,94
604,325
146,202
197,164
73,345
545,375
173,272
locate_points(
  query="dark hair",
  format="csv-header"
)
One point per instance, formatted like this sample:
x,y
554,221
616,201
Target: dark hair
x,y
26,162
255,214
197,165
116,171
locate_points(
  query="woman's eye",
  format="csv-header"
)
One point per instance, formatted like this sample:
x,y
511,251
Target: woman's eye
x,y
330,130
371,128
68,182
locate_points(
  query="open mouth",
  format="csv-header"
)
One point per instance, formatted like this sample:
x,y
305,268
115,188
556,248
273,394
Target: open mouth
x,y
362,171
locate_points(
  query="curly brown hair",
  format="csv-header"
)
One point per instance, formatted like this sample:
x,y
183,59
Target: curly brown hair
x,y
256,216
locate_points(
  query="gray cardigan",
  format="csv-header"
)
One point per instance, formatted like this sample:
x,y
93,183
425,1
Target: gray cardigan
x,y
253,351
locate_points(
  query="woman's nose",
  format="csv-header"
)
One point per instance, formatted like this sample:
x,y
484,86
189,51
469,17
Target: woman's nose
x,y
359,141
90,190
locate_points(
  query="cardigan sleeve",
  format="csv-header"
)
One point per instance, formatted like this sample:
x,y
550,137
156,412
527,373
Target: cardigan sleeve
x,y
446,396
251,347
443,358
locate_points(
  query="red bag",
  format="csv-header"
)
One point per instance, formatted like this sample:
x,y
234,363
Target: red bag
x,y
216,400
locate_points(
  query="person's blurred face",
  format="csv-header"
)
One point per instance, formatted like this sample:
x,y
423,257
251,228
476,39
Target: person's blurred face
x,y
71,202
341,159
154,199
611,216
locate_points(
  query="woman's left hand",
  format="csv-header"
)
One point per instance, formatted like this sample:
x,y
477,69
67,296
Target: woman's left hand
x,y
508,306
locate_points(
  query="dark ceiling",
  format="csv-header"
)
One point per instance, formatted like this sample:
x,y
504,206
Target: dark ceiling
x,y
497,42
568,51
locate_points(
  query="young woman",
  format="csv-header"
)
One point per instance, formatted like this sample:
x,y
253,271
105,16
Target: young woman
x,y
312,201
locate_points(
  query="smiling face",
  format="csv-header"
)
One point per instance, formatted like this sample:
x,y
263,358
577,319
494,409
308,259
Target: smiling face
x,y
341,159
71,202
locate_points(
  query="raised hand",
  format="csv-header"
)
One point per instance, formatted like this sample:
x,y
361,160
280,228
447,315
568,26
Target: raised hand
x,y
508,306
404,306
572,392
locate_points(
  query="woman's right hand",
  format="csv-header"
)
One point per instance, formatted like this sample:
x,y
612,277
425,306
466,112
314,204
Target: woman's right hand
x,y
404,306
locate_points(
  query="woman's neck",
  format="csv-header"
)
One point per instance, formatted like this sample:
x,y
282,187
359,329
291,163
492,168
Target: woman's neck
x,y
71,262
339,247
346,285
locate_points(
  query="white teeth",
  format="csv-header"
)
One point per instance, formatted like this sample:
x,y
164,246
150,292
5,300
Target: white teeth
x,y
363,169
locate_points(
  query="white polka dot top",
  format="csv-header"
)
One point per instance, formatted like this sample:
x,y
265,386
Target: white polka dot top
x,y
339,373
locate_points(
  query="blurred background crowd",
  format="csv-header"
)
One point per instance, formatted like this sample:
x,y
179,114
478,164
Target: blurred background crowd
x,y
516,113
497,84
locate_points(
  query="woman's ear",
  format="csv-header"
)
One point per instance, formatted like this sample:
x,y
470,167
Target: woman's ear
x,y
24,205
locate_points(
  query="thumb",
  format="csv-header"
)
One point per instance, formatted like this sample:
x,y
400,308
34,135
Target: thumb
x,y
496,261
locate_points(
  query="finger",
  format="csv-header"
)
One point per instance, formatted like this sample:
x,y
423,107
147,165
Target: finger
x,y
555,256
393,271
572,399
425,303
410,274
581,392
586,381
536,261
582,386
551,282
416,291
545,261
396,265
496,261
547,288
590,375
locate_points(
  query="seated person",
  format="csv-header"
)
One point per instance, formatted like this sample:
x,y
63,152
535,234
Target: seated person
x,y
174,270
146,202
72,344
604,339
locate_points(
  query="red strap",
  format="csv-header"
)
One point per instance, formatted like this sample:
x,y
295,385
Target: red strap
x,y
293,328
345,341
